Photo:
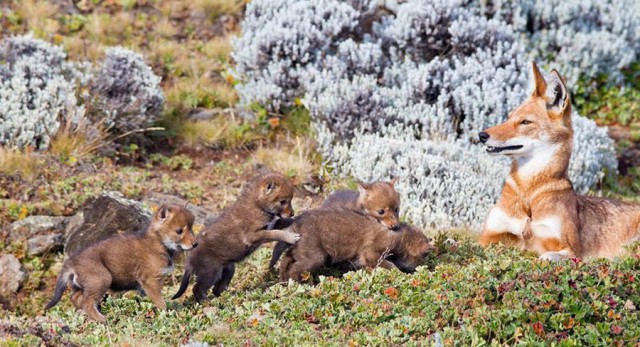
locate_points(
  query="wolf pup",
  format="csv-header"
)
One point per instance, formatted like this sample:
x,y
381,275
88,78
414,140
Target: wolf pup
x,y
335,236
378,200
237,232
127,262
538,137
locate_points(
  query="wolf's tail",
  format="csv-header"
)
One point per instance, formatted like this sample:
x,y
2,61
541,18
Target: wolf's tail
x,y
61,286
278,249
184,284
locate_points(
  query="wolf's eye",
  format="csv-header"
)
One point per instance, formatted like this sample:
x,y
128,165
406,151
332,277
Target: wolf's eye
x,y
381,212
283,202
179,231
525,122
395,210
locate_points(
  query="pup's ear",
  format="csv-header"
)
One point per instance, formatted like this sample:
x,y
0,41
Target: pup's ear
x,y
557,95
363,189
270,187
423,248
539,84
163,213
393,181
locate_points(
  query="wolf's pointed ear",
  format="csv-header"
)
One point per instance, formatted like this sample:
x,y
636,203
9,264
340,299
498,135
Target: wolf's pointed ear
x,y
557,95
539,84
269,187
393,181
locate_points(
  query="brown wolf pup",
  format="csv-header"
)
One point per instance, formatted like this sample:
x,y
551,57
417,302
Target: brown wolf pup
x,y
127,262
237,232
378,200
335,236
538,199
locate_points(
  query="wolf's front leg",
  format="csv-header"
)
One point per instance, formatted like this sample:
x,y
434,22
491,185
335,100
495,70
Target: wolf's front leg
x,y
553,234
503,226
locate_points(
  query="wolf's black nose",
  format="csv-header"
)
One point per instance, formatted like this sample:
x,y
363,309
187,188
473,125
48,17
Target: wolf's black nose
x,y
483,137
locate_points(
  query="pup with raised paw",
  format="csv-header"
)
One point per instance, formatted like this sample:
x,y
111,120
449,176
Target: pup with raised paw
x,y
237,233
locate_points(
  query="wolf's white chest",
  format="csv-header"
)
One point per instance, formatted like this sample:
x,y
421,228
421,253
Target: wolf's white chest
x,y
547,228
499,220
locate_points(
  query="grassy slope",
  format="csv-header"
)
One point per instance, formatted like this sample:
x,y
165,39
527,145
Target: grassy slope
x,y
464,294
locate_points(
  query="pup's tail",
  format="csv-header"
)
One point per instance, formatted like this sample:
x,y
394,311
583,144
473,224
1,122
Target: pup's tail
x,y
278,249
184,284
61,286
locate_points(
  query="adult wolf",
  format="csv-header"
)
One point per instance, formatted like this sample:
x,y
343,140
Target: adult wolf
x,y
538,208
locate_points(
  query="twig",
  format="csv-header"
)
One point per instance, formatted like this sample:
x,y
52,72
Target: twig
x,y
130,133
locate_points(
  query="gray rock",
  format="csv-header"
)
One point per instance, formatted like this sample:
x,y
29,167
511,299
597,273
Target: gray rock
x,y
36,225
12,276
45,243
74,223
105,216
202,215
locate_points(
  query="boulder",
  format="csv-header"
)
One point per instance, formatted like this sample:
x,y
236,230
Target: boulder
x,y
36,225
202,215
12,276
39,245
104,216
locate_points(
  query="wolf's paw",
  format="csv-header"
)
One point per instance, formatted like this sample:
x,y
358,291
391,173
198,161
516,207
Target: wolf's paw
x,y
552,256
291,238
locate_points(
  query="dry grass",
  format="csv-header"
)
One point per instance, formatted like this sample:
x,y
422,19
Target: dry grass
x,y
165,28
24,163
293,161
210,132
214,9
77,142
218,48
200,91
223,131
38,16
225,94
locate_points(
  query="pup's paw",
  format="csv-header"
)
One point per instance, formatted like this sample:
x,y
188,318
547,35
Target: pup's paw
x,y
291,238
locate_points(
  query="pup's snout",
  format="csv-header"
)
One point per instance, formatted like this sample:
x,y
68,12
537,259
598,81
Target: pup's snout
x,y
483,136
286,214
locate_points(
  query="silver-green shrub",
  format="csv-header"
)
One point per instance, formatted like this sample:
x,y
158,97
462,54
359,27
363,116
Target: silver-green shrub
x,y
40,90
37,92
403,91
582,38
125,93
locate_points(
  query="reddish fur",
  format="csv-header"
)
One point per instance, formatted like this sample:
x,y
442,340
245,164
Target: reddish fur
x,y
337,236
109,264
239,230
588,226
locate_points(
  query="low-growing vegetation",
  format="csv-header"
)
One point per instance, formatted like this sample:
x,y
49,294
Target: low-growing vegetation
x,y
464,295
324,101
